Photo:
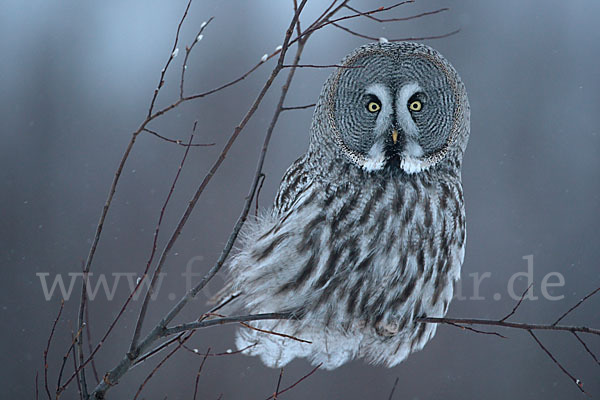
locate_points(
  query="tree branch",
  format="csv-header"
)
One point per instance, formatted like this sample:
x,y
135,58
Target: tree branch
x,y
505,324
116,373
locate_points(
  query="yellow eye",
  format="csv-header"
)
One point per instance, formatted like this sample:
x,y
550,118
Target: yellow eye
x,y
415,106
373,107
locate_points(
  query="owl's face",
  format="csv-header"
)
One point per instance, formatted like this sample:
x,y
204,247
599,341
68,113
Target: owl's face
x,y
396,105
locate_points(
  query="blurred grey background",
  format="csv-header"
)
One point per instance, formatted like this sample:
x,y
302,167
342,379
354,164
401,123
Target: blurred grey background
x,y
76,79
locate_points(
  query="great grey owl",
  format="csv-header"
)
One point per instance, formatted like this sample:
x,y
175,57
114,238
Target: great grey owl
x,y
367,231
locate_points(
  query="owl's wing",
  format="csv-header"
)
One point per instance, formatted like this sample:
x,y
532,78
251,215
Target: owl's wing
x,y
292,184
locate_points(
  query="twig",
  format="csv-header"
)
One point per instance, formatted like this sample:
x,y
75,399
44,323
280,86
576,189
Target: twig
x,y
65,359
468,328
154,351
173,54
188,50
176,141
37,388
383,20
593,292
325,15
199,372
505,324
298,29
262,181
575,381
586,348
82,394
160,364
325,20
406,39
139,283
224,353
322,66
89,342
278,384
298,381
275,333
298,107
373,11
393,388
157,271
221,321
517,305
83,389
62,305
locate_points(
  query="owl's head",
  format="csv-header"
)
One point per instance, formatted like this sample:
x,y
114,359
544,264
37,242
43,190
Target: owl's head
x,y
393,105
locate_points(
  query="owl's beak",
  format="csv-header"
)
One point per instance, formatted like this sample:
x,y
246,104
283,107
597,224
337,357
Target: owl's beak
x,y
395,136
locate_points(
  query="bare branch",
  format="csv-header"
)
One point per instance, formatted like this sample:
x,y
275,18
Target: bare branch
x,y
393,388
586,348
278,384
160,364
506,324
80,389
192,203
199,372
139,283
406,39
325,15
82,384
298,381
156,274
326,20
155,351
224,320
114,375
262,181
60,310
177,141
219,88
275,333
580,302
575,380
298,29
224,353
173,54
89,342
298,107
518,304
468,328
322,66
188,50
383,20
111,193
66,358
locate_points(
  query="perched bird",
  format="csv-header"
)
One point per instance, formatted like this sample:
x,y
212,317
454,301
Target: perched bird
x,y
367,232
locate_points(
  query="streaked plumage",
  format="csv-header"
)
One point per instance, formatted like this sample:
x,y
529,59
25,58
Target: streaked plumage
x,y
367,232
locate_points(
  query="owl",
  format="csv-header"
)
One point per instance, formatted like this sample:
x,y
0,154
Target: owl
x,y
367,231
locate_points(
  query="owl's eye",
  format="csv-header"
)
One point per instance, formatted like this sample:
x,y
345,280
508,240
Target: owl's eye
x,y
415,105
373,106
